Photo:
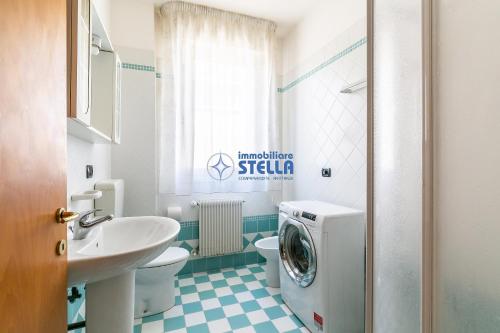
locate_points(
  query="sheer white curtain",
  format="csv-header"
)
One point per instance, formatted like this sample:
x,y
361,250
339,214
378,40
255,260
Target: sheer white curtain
x,y
217,93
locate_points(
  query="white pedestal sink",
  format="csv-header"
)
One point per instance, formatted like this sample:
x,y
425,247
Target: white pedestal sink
x,y
106,261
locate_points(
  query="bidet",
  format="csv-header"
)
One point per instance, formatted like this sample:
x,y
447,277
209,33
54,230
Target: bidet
x,y
269,248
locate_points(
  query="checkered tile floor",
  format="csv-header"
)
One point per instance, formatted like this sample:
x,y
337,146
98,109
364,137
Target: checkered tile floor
x,y
227,300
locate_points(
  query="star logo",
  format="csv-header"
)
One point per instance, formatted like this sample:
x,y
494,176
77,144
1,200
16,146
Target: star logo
x,y
220,166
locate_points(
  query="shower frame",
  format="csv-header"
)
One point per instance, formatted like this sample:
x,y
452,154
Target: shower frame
x,y
427,223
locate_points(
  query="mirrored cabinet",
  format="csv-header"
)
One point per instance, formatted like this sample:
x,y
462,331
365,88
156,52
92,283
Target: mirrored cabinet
x,y
95,77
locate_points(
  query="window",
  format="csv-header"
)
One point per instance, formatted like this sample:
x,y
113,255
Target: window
x,y
216,94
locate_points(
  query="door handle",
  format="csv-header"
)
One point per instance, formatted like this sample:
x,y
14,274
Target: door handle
x,y
62,216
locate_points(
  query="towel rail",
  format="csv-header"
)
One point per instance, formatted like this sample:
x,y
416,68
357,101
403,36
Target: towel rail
x,y
354,87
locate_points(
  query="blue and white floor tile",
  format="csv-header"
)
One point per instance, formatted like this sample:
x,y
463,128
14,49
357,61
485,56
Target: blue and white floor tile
x,y
227,300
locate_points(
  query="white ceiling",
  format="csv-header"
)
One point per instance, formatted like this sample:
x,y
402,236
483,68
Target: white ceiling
x,y
285,13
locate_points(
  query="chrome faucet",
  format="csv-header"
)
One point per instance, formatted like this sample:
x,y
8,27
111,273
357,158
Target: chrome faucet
x,y
83,225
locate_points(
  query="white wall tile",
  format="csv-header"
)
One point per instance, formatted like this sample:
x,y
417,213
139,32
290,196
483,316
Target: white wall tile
x,y
328,129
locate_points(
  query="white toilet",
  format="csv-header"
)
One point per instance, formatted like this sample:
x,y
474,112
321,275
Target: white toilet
x,y
269,249
154,282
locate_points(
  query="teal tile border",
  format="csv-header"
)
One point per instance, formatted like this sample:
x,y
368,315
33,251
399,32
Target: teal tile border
x,y
219,262
189,223
251,224
189,231
144,68
323,65
305,76
137,67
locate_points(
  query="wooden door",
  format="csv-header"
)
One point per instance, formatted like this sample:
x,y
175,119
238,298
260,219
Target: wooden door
x,y
33,103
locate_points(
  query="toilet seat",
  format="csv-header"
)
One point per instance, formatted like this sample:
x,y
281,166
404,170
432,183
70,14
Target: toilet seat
x,y
171,256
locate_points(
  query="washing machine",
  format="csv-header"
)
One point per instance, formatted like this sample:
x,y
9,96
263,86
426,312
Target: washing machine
x,y
322,260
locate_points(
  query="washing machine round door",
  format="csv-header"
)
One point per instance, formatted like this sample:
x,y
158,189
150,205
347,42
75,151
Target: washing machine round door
x,y
297,252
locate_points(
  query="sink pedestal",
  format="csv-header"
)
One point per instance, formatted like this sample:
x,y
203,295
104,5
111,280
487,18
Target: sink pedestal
x,y
109,305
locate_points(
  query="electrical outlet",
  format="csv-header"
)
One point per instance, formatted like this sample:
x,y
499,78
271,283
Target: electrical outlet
x,y
89,170
326,172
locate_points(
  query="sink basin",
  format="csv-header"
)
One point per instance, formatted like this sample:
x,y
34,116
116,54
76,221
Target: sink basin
x,y
106,261
118,246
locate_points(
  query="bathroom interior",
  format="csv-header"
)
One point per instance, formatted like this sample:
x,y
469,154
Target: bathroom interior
x,y
250,166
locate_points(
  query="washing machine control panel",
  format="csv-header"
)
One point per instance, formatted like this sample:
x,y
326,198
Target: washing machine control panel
x,y
309,216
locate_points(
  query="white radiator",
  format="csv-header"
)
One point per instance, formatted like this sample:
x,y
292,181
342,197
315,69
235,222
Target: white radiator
x,y
221,228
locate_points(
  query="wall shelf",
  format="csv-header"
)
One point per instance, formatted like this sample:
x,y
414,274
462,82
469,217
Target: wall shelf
x,y
87,195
